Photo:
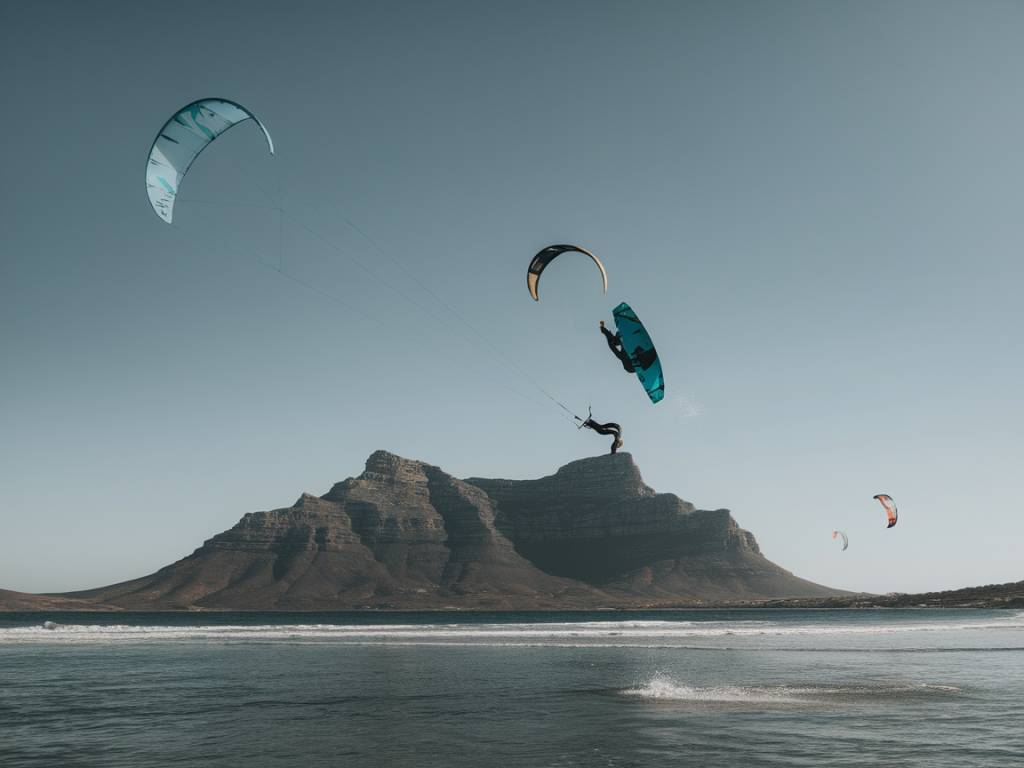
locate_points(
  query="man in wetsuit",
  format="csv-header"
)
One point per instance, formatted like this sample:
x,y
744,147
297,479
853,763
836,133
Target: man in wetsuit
x,y
615,345
611,428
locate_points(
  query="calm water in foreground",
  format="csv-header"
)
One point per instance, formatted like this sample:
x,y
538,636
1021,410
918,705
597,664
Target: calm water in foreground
x,y
685,688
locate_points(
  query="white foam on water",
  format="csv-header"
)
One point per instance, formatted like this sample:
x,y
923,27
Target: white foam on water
x,y
585,633
660,688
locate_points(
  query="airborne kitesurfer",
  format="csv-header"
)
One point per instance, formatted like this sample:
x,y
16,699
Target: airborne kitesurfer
x,y
615,345
611,428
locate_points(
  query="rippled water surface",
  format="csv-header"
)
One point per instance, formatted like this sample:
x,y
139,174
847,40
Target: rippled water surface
x,y
684,688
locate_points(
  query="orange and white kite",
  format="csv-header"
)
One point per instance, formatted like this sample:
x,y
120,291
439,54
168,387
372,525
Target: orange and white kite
x,y
890,508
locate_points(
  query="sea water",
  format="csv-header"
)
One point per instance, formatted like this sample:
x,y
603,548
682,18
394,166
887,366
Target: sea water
x,y
678,688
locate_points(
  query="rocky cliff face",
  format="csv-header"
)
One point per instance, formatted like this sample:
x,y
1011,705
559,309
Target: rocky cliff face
x,y
406,534
596,521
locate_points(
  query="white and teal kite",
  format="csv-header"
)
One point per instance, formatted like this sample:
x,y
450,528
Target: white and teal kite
x,y
189,131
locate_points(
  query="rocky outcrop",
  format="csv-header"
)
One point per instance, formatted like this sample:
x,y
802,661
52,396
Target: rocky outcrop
x,y
404,534
595,520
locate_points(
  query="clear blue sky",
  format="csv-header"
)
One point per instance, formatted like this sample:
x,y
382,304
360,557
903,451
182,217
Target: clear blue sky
x,y
814,206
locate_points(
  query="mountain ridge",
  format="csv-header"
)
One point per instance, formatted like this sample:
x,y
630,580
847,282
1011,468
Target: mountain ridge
x,y
405,534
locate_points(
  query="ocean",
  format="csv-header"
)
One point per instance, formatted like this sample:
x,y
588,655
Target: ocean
x,y
737,688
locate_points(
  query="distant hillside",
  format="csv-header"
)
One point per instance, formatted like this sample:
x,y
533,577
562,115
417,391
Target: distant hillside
x,y
21,601
1010,595
404,534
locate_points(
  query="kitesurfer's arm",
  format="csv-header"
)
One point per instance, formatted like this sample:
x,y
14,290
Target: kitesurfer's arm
x,y
611,338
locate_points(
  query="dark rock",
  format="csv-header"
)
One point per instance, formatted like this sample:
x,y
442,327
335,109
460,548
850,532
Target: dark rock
x,y
404,534
596,520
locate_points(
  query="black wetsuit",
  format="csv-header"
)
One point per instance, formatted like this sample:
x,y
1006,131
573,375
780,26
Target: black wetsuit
x,y
611,428
615,345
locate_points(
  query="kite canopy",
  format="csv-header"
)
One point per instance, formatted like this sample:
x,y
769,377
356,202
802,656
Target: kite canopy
x,y
638,345
846,541
189,131
890,508
546,256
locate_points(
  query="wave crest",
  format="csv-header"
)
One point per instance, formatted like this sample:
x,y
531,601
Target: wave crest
x,y
661,688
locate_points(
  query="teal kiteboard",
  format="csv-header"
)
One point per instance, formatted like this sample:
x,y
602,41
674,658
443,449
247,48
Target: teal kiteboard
x,y
638,345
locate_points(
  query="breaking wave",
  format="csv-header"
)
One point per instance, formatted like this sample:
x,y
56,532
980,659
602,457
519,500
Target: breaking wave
x,y
660,688
656,633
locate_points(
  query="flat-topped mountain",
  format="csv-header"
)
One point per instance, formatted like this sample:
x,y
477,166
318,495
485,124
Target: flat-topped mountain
x,y
404,534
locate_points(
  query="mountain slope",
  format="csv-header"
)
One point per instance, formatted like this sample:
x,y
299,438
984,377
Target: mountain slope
x,y
404,534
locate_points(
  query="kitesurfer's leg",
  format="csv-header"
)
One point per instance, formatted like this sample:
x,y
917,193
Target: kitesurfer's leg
x,y
611,428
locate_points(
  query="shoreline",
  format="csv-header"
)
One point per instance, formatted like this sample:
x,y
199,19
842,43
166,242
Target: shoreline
x,y
1009,595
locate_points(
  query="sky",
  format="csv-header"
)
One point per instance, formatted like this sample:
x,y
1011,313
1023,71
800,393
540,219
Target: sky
x,y
814,207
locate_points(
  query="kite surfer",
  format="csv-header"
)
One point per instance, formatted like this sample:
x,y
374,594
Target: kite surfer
x,y
611,428
615,345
